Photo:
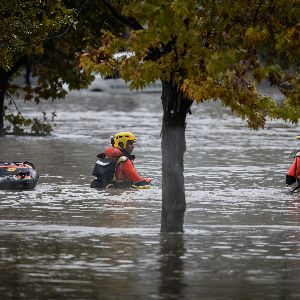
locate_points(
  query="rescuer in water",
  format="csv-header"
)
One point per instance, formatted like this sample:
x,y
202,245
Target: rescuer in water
x,y
115,167
293,174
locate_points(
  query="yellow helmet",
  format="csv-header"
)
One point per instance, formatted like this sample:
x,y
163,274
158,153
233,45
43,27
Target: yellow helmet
x,y
123,137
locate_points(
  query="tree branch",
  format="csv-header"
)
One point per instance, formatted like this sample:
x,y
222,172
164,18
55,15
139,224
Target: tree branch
x,y
50,37
256,12
22,61
128,21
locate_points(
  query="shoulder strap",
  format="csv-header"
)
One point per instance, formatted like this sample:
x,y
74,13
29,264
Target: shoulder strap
x,y
120,159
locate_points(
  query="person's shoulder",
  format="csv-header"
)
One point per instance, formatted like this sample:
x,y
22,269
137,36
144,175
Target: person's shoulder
x,y
112,152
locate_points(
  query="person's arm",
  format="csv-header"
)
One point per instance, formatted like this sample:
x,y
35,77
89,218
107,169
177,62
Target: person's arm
x,y
130,172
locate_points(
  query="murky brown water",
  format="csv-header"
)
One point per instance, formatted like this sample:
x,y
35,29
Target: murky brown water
x,y
66,241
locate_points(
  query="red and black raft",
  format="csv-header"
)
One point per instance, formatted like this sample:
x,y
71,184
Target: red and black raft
x,y
18,176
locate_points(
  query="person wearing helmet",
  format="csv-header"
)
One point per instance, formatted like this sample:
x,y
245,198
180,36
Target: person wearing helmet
x,y
125,173
293,174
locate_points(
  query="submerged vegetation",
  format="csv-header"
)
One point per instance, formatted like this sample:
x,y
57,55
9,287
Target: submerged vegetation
x,y
18,125
42,40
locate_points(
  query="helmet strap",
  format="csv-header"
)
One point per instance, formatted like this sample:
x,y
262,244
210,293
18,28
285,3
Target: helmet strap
x,y
125,152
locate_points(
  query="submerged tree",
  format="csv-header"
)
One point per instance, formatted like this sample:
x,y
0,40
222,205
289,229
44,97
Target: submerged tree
x,y
25,25
42,39
203,51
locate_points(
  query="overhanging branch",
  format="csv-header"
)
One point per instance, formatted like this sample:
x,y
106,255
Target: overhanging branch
x,y
20,62
50,37
128,21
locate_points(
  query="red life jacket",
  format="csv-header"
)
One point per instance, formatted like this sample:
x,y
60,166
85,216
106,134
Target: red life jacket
x,y
295,168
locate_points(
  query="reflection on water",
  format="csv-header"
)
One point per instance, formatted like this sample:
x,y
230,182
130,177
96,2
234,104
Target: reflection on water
x,y
172,266
66,241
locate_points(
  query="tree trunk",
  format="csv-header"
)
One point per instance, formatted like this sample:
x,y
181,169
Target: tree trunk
x,y
175,108
4,79
3,84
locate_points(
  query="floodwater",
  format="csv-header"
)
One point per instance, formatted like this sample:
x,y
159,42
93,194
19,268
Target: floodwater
x,y
64,240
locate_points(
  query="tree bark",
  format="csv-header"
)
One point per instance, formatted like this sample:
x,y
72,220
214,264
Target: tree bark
x,y
4,78
175,108
3,84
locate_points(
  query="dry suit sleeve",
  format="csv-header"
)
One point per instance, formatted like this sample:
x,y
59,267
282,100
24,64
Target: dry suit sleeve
x,y
131,173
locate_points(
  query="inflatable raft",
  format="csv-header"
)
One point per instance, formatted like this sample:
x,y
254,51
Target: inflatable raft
x,y
18,176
